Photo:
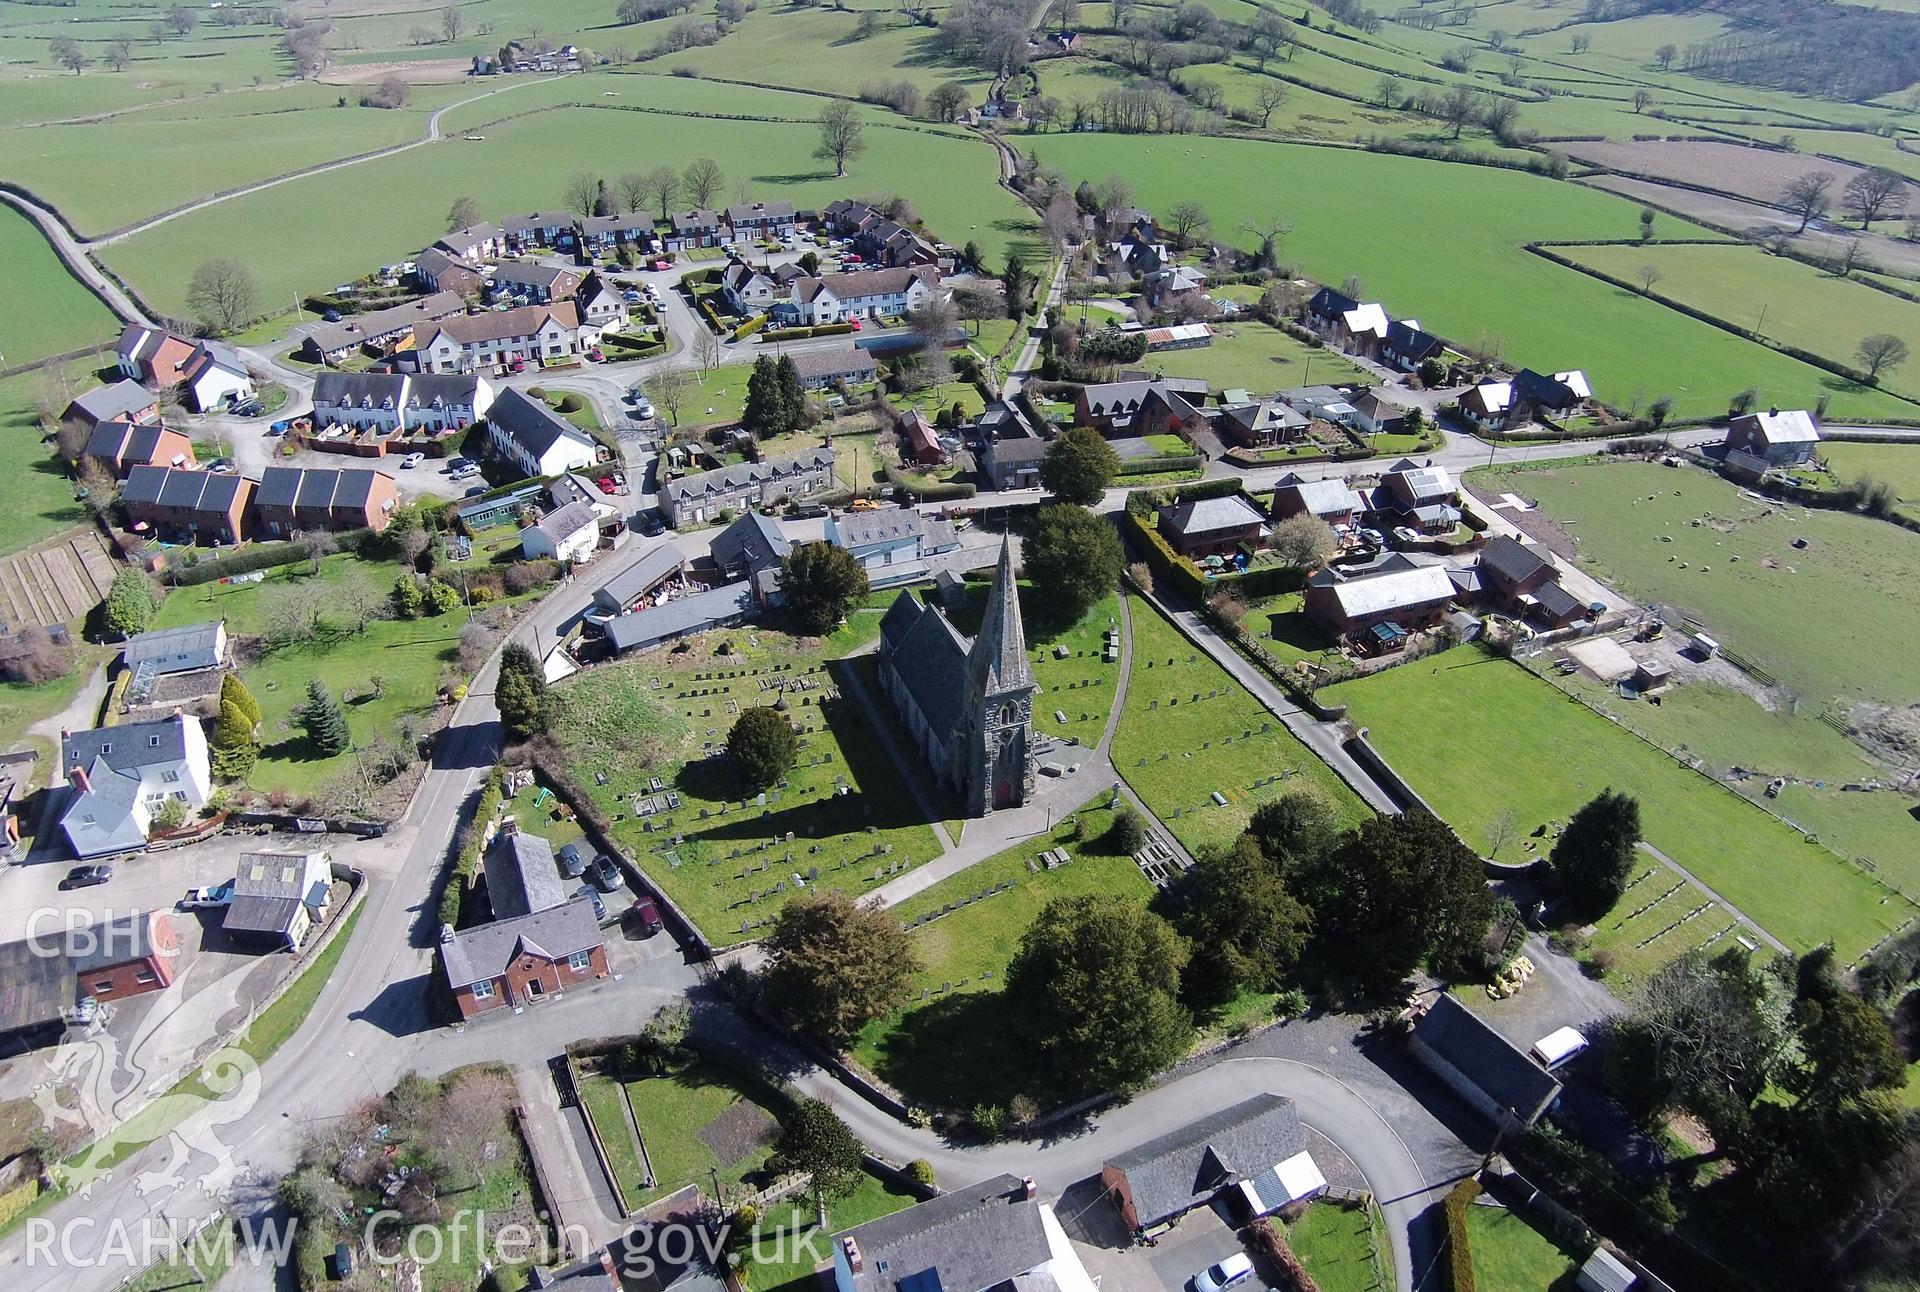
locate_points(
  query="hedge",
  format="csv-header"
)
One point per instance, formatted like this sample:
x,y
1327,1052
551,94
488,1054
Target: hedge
x,y
1170,569
928,492
751,326
713,318
1459,1244
802,333
1148,501
466,862
260,556
1266,1240
1171,462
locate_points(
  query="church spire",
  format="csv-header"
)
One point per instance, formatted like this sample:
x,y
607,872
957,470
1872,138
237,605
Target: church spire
x,y
998,660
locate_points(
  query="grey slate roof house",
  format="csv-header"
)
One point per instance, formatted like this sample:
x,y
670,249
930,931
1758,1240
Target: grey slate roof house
x,y
123,399
994,1235
819,369
522,876
1495,1078
1013,463
625,588
1165,1178
177,650
536,439
702,497
120,776
278,897
1211,526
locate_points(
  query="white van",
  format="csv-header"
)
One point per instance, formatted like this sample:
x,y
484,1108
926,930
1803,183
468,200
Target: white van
x,y
1558,1047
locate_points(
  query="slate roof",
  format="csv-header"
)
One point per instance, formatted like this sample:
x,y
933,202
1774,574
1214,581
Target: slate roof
x,y
728,480
637,579
249,914
595,225
538,220
305,877
638,629
356,329
178,487
1404,338
1492,1063
997,660
497,325
699,220
483,953
564,522
1327,303
36,988
1557,601
855,529
1115,398
982,1237
529,423
121,399
1794,426
522,876
815,365
129,746
1319,497
1180,1170
750,543
866,282
175,650
126,441
748,211
1422,483
1002,420
535,275
930,657
1212,515
1544,391
1393,590
360,389
1512,561
316,488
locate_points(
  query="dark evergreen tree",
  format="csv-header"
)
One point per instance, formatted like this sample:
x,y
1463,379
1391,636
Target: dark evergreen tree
x,y
1594,855
324,722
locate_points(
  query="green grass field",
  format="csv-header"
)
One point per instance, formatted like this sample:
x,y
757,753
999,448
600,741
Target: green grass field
x,y
1259,359
1779,298
1345,1250
1176,750
630,731
1514,1256
1478,736
46,311
1895,464
40,498
1854,579
1468,279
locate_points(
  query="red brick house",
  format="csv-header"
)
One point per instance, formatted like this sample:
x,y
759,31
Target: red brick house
x,y
292,499
919,442
1212,526
128,956
118,447
1123,408
522,960
1395,594
196,506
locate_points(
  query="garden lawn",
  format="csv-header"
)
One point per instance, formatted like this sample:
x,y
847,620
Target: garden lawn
x,y
1254,357
1895,464
618,724
672,1110
806,1243
43,309
408,655
1174,750
1467,278
1781,299
1477,736
601,1096
950,176
1856,582
1343,1249
1511,1255
950,1046
40,501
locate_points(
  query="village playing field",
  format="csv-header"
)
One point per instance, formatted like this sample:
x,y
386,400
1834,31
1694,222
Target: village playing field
x,y
1468,277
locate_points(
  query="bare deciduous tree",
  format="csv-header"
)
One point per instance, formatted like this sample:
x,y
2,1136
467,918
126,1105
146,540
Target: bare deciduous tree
x,y
1649,275
452,21
670,390
222,294
663,182
1268,99
840,141
702,181
1868,194
582,191
1881,352
1806,197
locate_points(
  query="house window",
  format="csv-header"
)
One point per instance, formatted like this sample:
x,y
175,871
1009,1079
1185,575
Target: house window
x,y
146,979
169,776
482,990
102,987
580,961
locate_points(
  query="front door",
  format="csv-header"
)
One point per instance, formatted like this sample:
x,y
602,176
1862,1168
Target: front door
x,y
534,990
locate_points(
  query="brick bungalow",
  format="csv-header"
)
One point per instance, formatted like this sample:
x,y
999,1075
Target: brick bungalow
x,y
1212,526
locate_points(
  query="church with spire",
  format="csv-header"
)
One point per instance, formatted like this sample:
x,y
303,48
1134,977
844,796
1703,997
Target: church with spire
x,y
967,703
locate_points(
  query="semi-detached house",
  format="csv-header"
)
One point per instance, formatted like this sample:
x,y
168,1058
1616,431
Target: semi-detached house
x,y
865,294
537,440
195,506
475,342
291,500
761,219
539,229
332,342
399,401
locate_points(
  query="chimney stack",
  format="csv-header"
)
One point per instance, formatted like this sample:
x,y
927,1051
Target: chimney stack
x,y
851,1249
78,776
1029,1188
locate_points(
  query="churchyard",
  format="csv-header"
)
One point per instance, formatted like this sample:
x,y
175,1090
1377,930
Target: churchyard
x,y
645,738
1078,682
1189,730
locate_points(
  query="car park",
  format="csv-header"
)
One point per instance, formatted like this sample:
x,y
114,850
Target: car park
x,y
86,877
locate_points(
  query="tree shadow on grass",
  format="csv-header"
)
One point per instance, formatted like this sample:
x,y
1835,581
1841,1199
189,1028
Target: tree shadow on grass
x,y
797,177
956,1051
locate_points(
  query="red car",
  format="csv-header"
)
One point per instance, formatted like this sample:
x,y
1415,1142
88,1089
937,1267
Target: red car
x,y
662,264
852,258
596,356
854,323
647,916
606,484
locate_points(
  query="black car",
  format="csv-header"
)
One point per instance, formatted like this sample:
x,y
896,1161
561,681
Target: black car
x,y
603,874
573,862
86,877
649,523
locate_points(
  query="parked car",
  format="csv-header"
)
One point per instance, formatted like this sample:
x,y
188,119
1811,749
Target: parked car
x,y
247,408
855,324
662,264
643,409
646,914
649,522
1231,1272
573,862
605,483
475,491
213,895
221,466
457,463
599,903
631,297
86,877
603,874
413,460
331,316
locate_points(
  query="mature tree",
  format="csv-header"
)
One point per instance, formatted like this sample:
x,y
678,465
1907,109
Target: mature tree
x,y
222,294
664,183
1188,220
1807,197
1647,216
463,214
1395,893
840,131
933,324
1093,989
1073,558
1304,541
1018,283
1642,100
978,300
452,21
834,965
766,411
1700,1030
1648,276
761,747
1847,1048
324,722
233,691
822,584
1594,855
1246,929
708,350
813,1140
634,190
1580,42
1267,234
1079,466
1267,35
66,51
1129,830
1881,352
702,180
1459,108
947,100
183,19
120,54
1870,192
130,604
1665,56
583,190
234,748
1268,99
670,390
1296,825
521,693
